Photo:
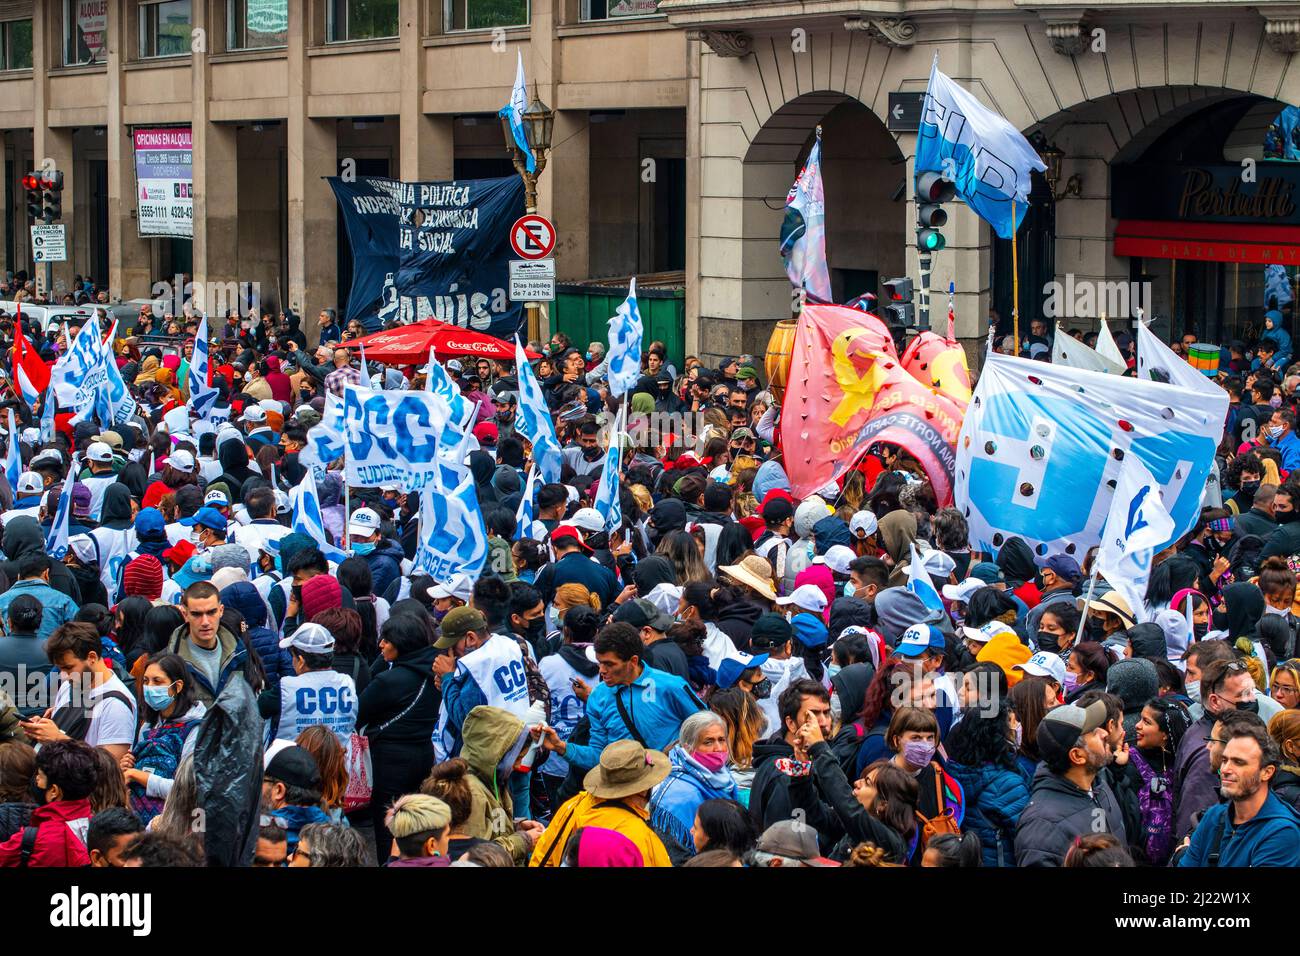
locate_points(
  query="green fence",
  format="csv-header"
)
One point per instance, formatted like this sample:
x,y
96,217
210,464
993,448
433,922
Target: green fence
x,y
582,312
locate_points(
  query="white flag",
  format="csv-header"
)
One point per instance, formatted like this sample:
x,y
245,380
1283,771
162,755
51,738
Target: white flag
x,y
1137,526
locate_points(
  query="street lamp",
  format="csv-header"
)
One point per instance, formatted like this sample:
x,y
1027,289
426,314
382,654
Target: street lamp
x,y
1052,157
538,122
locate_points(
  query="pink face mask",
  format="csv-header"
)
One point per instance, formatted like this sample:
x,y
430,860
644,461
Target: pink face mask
x,y
712,762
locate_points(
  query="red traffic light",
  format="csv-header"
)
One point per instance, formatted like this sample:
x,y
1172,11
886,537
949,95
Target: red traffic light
x,y
32,181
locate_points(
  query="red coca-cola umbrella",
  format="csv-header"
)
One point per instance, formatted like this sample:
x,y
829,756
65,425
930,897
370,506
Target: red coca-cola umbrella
x,y
410,344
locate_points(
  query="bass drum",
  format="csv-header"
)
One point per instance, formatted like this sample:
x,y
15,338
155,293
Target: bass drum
x,y
780,353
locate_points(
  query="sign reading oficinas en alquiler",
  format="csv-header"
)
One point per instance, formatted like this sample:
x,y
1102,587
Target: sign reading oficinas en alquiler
x,y
164,182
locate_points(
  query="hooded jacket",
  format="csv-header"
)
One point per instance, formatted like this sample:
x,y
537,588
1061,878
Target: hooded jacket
x,y
277,662
23,535
232,454
675,799
234,654
849,687
1243,606
1059,811
1134,681
1195,784
771,798
996,796
1016,560
737,621
585,812
897,531
392,689
1270,838
897,609
493,739
60,829
115,512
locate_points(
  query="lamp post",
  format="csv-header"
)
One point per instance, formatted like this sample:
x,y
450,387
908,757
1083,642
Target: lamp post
x,y
538,122
1052,157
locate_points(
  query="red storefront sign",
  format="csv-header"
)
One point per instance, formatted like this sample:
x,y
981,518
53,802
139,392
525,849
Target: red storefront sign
x,y
1208,241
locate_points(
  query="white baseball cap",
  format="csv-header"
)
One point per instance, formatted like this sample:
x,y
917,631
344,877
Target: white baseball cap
x,y
454,365
181,460
963,591
1044,664
83,546
29,483
312,638
588,519
52,455
838,557
31,436
459,587
254,414
937,564
215,497
986,633
863,523
806,596
100,452
363,521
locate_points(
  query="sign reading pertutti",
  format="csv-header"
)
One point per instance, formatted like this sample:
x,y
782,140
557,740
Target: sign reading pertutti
x,y
1265,194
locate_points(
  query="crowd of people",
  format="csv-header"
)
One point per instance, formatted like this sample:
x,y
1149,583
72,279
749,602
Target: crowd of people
x,y
732,676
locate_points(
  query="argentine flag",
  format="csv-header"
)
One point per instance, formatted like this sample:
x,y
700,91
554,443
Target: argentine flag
x,y
119,398
919,583
307,516
56,541
625,334
13,455
986,158
514,111
453,537
202,395
533,418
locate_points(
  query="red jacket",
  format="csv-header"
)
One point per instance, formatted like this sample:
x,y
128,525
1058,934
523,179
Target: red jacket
x,y
61,827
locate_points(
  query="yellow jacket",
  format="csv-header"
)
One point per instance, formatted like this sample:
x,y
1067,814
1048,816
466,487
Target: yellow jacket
x,y
584,810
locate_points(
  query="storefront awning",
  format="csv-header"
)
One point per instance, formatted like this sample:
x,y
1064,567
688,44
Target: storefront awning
x,y
1208,241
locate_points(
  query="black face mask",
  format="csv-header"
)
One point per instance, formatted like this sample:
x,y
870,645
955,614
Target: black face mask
x,y
1248,706
535,630
592,454
38,795
1200,630
762,690
1250,487
1286,517
1095,630
1048,642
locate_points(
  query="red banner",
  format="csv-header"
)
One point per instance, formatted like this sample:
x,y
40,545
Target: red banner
x,y
854,392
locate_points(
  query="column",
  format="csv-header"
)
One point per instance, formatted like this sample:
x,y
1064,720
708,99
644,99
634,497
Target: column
x,y
564,195
7,219
312,154
129,268
52,148
693,137
216,193
427,143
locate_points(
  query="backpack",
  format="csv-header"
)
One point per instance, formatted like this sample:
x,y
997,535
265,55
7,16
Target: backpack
x,y
75,720
945,821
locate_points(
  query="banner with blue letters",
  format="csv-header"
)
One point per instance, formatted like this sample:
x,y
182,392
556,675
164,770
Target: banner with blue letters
x,y
392,438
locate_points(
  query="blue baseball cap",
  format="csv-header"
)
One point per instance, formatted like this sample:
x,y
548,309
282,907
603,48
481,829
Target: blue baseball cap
x,y
730,670
150,521
207,517
918,639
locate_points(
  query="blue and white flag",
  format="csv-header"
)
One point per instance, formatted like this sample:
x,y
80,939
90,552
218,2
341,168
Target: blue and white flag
x,y
803,231
1040,450
25,387
1136,527
919,583
607,499
1157,362
325,440
48,411
307,516
986,158
533,418
56,539
625,334
13,455
393,438
79,372
202,395
514,111
525,525
119,396
453,537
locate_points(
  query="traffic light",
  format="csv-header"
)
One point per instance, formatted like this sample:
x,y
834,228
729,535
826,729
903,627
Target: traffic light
x,y
899,309
52,198
931,191
32,184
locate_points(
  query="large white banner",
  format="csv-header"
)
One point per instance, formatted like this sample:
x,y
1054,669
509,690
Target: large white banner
x,y
392,438
164,182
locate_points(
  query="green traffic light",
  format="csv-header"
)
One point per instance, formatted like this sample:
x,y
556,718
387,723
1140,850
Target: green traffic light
x,y
930,239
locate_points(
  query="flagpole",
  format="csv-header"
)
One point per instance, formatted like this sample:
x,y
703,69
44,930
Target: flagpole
x,y
347,512
1083,618
1015,283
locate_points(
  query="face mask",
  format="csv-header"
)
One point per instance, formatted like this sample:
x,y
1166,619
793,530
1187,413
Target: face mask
x,y
1200,630
762,690
712,762
37,793
248,376
1248,706
1071,682
1193,689
918,753
1274,431
1250,487
536,630
1096,630
592,454
1048,642
159,698
837,709
849,589
363,547
1286,517
1276,402
832,670
505,417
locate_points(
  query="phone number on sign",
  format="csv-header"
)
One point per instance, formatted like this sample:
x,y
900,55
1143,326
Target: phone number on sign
x,y
165,212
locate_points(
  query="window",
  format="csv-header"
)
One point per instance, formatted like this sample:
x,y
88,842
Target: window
x,y
257,24
85,29
485,14
361,19
16,45
617,9
164,28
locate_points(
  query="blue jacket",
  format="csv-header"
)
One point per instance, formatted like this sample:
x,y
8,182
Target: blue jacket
x,y
297,817
58,608
995,798
673,802
385,564
657,702
277,662
460,695
1289,449
1271,838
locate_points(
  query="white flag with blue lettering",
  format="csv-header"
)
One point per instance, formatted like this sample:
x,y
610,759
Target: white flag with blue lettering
x,y
607,501
307,516
455,437
56,540
13,455
453,537
987,159
325,440
625,334
79,372
25,387
119,396
1137,526
202,395
526,526
514,111
533,418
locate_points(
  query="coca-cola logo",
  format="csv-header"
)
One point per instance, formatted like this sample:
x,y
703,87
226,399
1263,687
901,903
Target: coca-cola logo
x,y
486,347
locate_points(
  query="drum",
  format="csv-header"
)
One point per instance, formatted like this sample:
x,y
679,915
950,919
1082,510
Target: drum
x,y
1204,357
780,352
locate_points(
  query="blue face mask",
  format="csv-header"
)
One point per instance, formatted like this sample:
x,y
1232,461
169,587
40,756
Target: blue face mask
x,y
363,547
849,589
159,698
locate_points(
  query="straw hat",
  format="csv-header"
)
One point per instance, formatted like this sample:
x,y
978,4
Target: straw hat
x,y
753,571
625,768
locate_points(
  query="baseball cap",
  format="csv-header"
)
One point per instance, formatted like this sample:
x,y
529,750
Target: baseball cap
x,y
731,669
963,591
180,552
988,572
838,557
777,509
569,531
1064,567
486,433
793,839
100,452
863,523
29,483
458,622
306,416
806,596
1062,726
454,365
149,522
32,436
937,563
1044,664
217,498
50,456
181,460
986,632
81,500
459,587
312,638
110,438
254,414
742,434
918,639
589,519
641,612
363,521
207,518
296,767
83,546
